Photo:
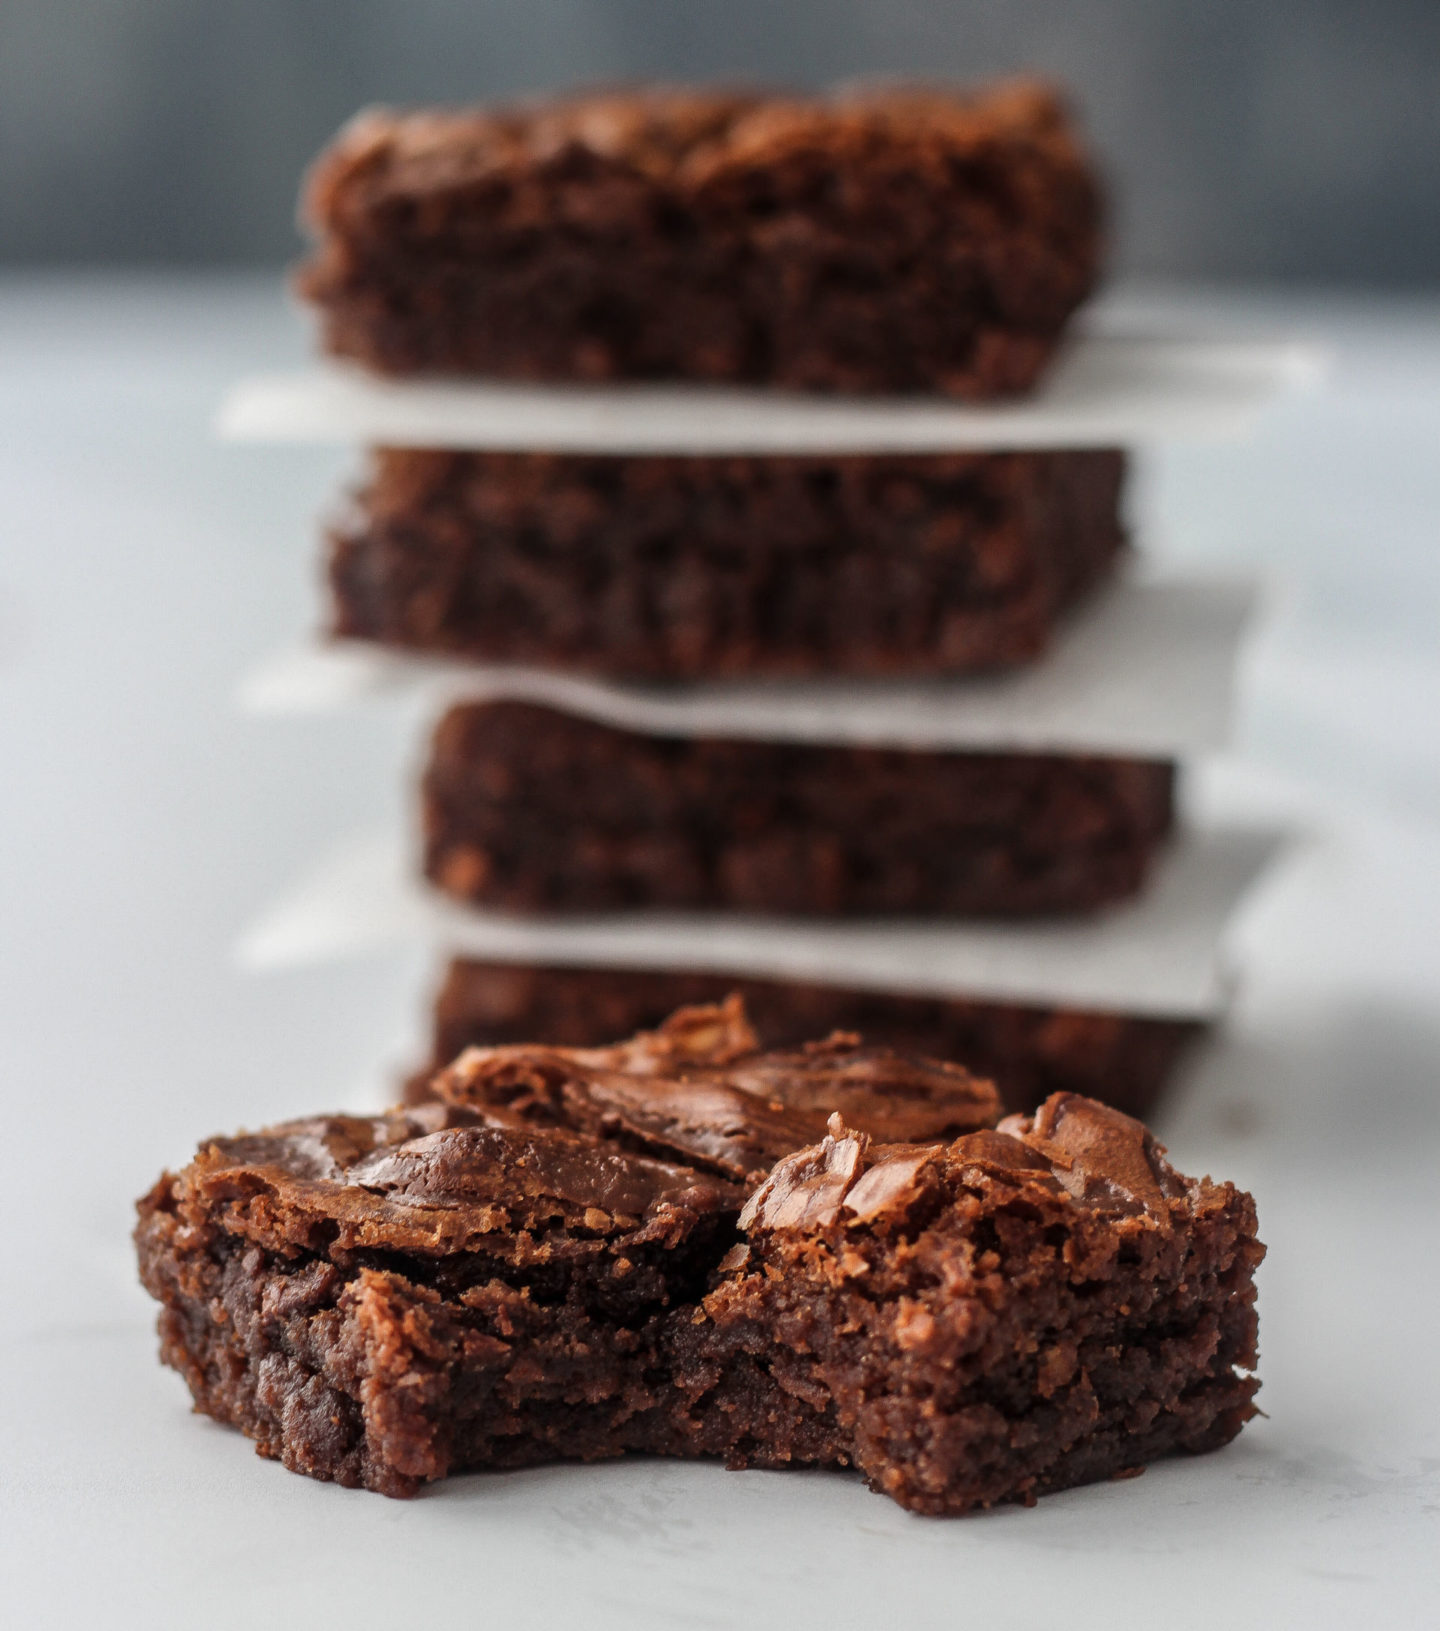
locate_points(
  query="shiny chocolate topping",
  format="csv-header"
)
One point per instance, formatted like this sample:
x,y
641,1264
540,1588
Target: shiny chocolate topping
x,y
1100,1159
442,1158
1098,1155
698,1090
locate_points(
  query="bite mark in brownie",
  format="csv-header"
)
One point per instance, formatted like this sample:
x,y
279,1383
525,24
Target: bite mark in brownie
x,y
891,240
1028,1051
692,568
533,810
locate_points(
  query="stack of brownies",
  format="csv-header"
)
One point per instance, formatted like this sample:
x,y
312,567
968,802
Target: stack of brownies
x,y
703,1241
894,248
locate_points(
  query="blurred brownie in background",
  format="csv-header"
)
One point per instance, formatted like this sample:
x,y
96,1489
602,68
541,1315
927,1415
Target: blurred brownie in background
x,y
532,810
687,568
884,240
1029,1052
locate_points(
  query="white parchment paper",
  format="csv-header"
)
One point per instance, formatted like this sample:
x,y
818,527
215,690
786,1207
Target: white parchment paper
x,y
1160,954
1106,389
1145,668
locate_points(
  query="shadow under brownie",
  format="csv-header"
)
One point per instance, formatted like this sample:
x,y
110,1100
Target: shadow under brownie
x,y
885,240
688,568
532,810
520,1275
1028,1051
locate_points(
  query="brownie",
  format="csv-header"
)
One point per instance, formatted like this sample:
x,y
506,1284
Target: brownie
x,y
1028,1051
515,1279
532,810
1011,1314
380,1300
687,568
889,240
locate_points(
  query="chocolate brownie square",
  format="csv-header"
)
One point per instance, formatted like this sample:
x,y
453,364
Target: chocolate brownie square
x,y
532,810
693,568
561,1262
889,240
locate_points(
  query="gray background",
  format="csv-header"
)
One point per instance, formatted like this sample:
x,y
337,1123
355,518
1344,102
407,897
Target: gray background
x,y
1271,139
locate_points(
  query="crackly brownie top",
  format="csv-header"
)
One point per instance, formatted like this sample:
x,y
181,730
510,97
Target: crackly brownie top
x,y
436,1179
1073,1150
700,1090
686,139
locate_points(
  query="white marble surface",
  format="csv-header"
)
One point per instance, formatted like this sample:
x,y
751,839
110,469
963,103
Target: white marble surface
x,y
142,820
